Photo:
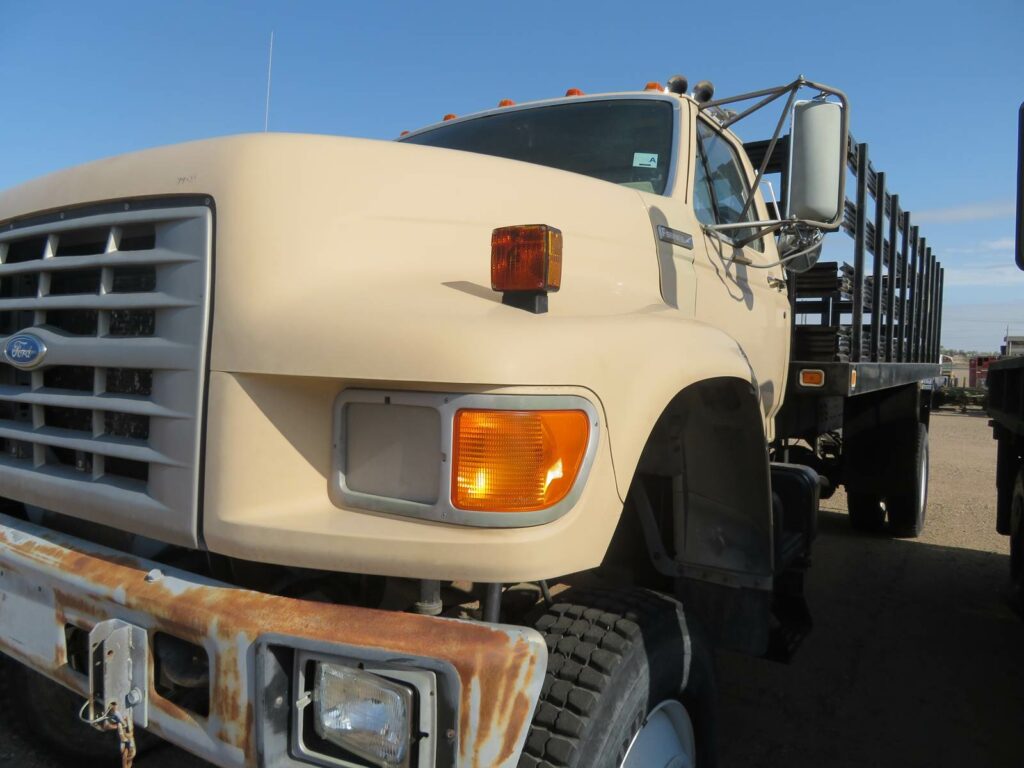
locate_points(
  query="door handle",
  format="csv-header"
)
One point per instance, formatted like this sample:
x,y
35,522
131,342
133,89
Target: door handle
x,y
777,283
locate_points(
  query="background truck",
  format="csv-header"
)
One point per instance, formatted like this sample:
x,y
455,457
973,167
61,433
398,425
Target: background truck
x,y
464,449
1006,407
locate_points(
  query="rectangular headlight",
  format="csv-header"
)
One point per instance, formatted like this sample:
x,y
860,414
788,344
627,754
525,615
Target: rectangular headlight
x,y
364,714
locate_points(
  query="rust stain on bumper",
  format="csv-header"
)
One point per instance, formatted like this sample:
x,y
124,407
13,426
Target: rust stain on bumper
x,y
500,668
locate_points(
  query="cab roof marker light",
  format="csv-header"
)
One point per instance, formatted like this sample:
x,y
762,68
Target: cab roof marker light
x,y
506,103
449,116
574,92
654,86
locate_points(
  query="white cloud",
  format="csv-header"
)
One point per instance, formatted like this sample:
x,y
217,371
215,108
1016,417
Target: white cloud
x,y
984,274
1002,244
996,209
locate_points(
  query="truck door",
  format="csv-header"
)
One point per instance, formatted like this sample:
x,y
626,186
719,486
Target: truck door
x,y
749,303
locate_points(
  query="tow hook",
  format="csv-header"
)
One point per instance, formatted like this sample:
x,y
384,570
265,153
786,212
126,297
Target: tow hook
x,y
118,694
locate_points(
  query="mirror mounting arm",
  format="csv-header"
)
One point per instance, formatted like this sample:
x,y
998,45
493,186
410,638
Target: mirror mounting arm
x,y
767,96
763,228
771,148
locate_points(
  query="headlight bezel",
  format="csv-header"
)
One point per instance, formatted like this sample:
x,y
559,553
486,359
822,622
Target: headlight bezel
x,y
447,404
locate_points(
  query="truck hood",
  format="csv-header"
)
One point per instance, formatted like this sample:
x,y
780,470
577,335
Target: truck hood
x,y
369,259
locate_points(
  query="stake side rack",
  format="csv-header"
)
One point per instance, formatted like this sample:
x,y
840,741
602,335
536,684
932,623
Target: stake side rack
x,y
874,324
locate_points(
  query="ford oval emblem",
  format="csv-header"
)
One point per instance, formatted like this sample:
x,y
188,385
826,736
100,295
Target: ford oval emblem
x,y
24,351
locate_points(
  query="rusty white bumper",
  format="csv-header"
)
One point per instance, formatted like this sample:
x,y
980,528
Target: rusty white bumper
x,y
49,581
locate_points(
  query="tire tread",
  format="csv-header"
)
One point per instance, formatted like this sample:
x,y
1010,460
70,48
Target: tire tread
x,y
587,640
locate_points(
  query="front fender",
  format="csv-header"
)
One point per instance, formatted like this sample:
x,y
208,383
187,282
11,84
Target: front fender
x,y
276,427
634,363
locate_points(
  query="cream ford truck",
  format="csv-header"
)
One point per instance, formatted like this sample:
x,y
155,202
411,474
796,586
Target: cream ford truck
x,y
463,449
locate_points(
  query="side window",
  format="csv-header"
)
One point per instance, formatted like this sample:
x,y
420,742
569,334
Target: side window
x,y
720,186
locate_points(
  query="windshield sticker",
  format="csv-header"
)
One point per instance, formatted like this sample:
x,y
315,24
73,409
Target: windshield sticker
x,y
645,159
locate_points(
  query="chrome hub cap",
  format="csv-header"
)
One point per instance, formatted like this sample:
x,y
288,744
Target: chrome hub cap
x,y
665,740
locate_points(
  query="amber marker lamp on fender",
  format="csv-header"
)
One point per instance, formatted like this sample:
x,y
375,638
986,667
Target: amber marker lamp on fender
x,y
526,265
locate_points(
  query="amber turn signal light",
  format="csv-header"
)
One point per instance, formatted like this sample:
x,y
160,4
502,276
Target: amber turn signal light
x,y
516,461
812,377
526,258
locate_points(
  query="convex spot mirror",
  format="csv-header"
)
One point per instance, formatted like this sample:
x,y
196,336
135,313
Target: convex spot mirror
x,y
817,163
800,250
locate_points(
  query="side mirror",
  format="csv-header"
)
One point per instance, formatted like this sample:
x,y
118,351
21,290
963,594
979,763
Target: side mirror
x,y
817,163
1020,187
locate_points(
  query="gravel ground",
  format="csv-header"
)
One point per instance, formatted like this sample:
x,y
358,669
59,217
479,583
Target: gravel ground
x,y
915,660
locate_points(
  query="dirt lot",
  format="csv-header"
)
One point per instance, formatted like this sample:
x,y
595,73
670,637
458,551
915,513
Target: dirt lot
x,y
915,660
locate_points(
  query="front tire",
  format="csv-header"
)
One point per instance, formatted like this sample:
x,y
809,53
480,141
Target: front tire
x,y
617,689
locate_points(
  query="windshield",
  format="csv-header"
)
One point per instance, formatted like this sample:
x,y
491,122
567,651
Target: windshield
x,y
626,141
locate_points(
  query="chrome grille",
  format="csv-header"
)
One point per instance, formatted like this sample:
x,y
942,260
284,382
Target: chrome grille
x,y
107,427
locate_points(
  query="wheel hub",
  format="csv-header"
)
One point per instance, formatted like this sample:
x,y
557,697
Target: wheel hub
x,y
665,740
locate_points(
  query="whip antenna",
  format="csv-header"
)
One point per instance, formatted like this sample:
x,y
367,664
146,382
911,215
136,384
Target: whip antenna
x,y
270,67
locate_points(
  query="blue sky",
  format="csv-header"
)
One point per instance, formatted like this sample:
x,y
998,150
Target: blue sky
x,y
934,85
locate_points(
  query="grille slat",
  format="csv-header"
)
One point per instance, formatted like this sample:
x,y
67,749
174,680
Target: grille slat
x,y
95,301
110,500
107,427
127,222
140,352
156,257
69,398
118,447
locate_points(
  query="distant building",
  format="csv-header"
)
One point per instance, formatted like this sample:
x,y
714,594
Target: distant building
x,y
956,370
978,370
1014,346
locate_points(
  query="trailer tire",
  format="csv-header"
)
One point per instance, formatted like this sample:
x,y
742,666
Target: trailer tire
x,y
1017,543
907,510
46,714
616,671
866,511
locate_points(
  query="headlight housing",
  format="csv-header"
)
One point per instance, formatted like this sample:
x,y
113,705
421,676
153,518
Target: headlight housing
x,y
364,714
488,459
